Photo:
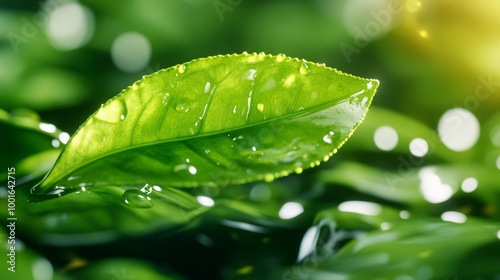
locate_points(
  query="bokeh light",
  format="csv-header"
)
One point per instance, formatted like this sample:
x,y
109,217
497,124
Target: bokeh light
x,y
131,52
458,129
432,188
70,26
385,138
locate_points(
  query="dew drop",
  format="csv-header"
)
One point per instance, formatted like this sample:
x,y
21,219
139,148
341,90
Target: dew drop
x,y
137,199
181,108
260,107
299,170
250,75
165,99
192,170
327,139
182,68
280,57
269,177
207,87
112,112
288,82
304,69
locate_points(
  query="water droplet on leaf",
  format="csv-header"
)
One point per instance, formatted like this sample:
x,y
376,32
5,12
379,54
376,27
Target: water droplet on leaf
x,y
182,68
251,74
269,177
207,87
191,169
260,107
181,108
112,112
327,139
304,69
280,57
137,199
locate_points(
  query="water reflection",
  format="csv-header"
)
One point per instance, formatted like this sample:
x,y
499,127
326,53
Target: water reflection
x,y
290,210
361,207
454,217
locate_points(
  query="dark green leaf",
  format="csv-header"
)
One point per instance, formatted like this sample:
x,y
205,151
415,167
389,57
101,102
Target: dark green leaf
x,y
218,120
125,269
420,250
28,143
104,214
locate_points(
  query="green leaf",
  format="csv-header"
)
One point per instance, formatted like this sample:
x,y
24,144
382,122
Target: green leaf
x,y
121,268
216,121
103,214
29,145
419,250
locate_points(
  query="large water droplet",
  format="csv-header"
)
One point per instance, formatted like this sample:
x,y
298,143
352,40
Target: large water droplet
x,y
304,69
250,75
112,112
328,138
181,69
137,199
260,107
207,87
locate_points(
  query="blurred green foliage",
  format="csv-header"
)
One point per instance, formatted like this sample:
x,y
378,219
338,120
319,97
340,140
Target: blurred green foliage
x,y
430,56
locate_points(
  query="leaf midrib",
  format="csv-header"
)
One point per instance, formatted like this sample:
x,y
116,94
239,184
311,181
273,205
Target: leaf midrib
x,y
293,115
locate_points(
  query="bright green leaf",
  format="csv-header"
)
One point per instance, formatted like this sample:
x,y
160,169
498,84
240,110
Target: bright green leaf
x,y
218,120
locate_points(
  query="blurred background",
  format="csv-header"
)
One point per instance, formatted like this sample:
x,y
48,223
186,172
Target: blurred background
x,y
438,63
